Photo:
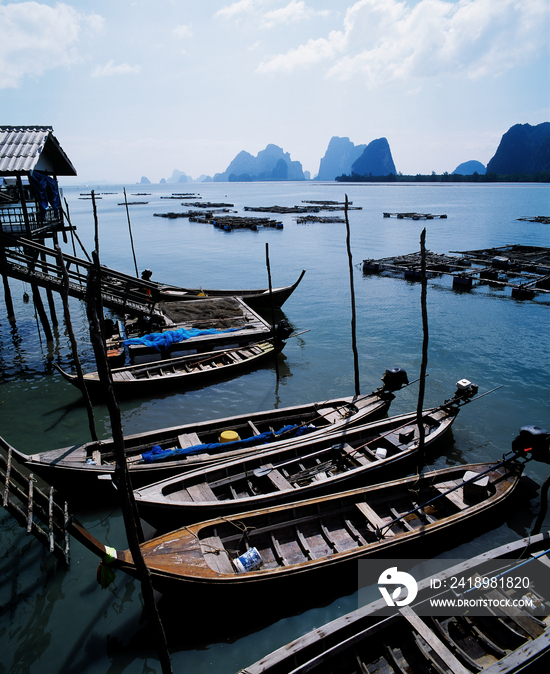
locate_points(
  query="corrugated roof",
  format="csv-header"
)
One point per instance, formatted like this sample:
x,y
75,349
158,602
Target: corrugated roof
x,y
27,148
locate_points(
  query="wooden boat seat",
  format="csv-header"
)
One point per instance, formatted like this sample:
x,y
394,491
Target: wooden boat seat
x,y
329,414
454,496
255,431
433,641
216,556
374,518
360,458
201,492
278,480
188,440
393,439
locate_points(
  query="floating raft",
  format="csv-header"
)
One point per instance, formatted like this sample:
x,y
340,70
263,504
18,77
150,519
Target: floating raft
x,y
318,218
189,214
524,269
543,219
315,207
230,222
415,216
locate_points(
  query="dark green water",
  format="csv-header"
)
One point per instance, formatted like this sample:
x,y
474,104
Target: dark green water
x,y
58,620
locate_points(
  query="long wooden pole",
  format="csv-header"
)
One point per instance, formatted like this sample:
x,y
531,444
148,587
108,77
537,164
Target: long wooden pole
x,y
122,477
130,230
425,339
272,307
352,293
72,338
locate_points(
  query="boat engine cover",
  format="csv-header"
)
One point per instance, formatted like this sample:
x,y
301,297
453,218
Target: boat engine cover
x,y
394,378
535,440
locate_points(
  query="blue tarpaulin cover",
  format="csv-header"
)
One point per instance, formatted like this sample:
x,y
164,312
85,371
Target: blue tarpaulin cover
x,y
162,340
290,431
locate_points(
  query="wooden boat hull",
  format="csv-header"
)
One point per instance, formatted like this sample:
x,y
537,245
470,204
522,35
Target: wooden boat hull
x,y
259,298
83,470
307,543
363,635
181,373
310,468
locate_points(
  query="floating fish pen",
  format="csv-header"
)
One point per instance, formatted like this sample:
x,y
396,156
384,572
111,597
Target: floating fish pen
x,y
190,214
315,207
326,203
183,195
542,219
133,203
229,222
415,216
524,269
318,218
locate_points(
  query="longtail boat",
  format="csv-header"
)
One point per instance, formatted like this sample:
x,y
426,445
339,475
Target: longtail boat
x,y
183,373
331,463
81,470
416,641
296,547
257,298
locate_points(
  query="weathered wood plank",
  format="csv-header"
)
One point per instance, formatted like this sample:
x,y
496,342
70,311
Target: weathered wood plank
x,y
426,633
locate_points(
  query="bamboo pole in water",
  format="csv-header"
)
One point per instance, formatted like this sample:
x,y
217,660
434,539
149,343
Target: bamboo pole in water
x,y
130,230
425,338
272,306
74,347
132,522
352,293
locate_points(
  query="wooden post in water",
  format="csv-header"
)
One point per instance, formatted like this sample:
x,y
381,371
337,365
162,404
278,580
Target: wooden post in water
x,y
69,325
272,307
352,293
132,523
130,230
424,363
7,292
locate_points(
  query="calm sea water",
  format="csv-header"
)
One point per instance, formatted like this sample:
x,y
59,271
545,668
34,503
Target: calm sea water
x,y
58,620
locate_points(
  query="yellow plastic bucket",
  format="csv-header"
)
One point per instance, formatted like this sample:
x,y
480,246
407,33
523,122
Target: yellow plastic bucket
x,y
229,436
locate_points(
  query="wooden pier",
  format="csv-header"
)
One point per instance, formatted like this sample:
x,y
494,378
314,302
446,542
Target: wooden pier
x,y
35,263
38,510
524,269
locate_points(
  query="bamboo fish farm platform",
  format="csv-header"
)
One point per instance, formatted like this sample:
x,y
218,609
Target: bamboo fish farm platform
x,y
415,216
524,269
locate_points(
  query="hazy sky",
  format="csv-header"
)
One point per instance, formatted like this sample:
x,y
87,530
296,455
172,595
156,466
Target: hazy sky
x,y
145,87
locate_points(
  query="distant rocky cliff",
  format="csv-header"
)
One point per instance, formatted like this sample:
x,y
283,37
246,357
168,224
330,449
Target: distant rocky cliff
x,y
376,160
269,164
340,155
522,149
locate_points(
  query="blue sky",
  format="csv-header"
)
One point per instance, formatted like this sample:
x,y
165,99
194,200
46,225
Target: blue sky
x,y
142,88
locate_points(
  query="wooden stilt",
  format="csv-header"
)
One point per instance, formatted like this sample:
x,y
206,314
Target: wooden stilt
x,y
122,477
72,338
424,363
352,293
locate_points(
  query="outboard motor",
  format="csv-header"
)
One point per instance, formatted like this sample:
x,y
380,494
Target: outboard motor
x,y
535,440
283,330
394,378
465,389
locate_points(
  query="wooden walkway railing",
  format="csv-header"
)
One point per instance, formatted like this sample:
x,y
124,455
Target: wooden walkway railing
x,y
42,514
33,262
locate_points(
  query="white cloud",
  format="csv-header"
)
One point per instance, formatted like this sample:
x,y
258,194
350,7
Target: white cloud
x,y
35,38
110,69
295,11
182,32
387,39
236,8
